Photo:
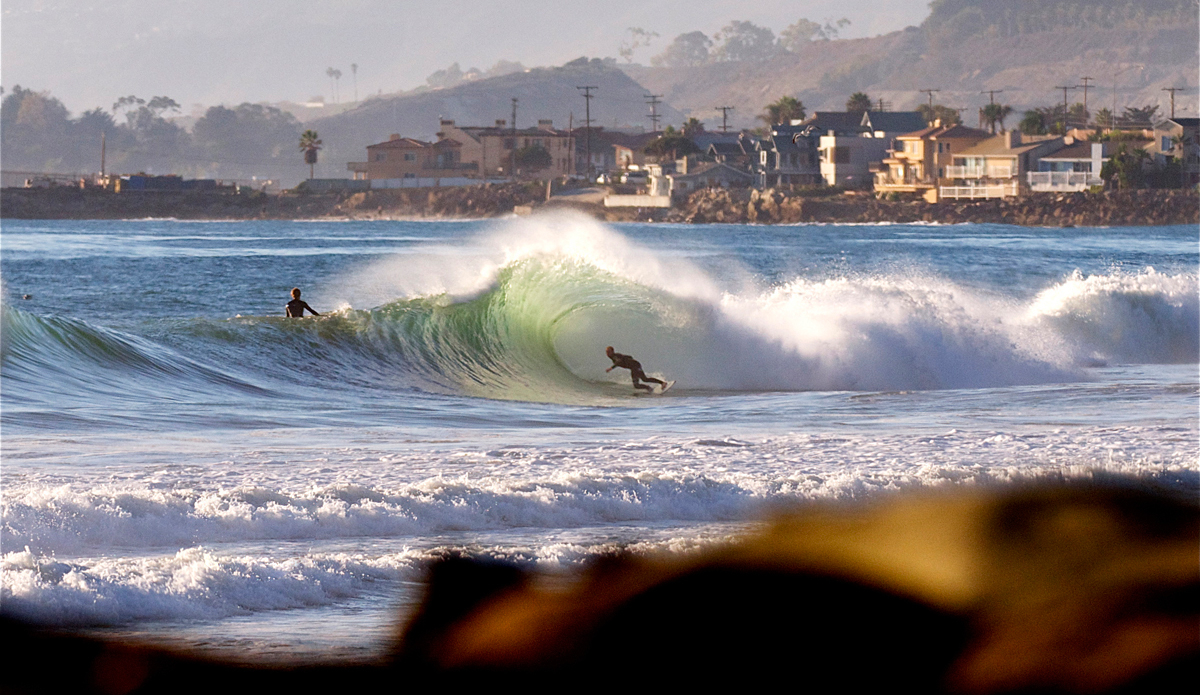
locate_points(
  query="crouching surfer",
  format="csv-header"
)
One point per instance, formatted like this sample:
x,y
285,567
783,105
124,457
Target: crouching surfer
x,y
635,370
295,308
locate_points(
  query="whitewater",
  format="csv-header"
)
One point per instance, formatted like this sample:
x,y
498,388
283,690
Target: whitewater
x,y
182,464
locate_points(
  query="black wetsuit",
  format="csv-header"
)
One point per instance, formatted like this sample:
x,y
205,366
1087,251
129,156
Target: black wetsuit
x,y
295,309
635,371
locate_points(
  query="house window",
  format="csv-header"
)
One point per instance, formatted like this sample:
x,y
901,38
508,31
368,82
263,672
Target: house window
x,y
381,156
841,155
509,143
410,157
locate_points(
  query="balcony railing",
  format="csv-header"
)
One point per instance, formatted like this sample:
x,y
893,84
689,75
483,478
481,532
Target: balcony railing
x,y
1062,180
451,166
973,172
1000,190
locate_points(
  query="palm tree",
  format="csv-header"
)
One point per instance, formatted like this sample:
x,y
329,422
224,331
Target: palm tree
x,y
785,110
858,103
332,89
995,113
337,81
354,73
310,142
693,127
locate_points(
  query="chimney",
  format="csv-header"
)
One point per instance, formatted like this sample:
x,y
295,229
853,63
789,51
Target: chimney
x,y
545,124
937,123
393,136
1012,138
447,121
500,122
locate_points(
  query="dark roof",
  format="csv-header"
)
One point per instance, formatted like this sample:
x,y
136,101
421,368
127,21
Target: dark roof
x,y
403,143
1079,150
633,141
959,130
837,121
1186,122
725,149
894,121
710,169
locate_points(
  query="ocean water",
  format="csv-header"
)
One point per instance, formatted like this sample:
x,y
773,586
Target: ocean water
x,y
183,465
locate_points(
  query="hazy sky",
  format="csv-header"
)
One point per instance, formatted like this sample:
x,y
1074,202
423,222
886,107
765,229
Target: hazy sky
x,y
89,52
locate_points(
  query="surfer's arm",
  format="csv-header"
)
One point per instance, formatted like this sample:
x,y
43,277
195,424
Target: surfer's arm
x,y
610,368
314,311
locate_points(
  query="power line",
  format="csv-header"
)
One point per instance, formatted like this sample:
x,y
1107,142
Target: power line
x,y
1085,87
1064,118
930,92
1172,90
993,92
724,117
653,101
587,100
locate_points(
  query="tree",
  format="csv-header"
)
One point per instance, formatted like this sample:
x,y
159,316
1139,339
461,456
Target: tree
x,y
671,145
745,41
687,50
1033,122
692,127
638,38
785,110
993,114
1126,168
945,114
1144,116
533,158
354,74
858,102
446,78
310,142
805,31
1078,115
243,140
1104,117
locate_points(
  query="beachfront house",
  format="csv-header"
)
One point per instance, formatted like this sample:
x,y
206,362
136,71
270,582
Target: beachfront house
x,y
409,158
490,149
689,174
996,167
850,142
1075,167
1179,138
917,161
788,156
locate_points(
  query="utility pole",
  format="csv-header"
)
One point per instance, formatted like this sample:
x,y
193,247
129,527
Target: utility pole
x,y
652,100
513,153
1085,86
1172,90
930,93
724,117
102,152
1064,118
587,120
993,92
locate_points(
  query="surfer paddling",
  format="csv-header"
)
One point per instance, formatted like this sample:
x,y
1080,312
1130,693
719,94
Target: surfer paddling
x,y
635,370
295,308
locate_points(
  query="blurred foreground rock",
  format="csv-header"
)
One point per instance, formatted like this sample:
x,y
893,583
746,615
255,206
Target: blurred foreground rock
x,y
1033,590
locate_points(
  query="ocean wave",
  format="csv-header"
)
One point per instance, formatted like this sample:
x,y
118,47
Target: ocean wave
x,y
529,316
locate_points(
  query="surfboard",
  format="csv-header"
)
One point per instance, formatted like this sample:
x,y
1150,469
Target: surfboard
x,y
666,386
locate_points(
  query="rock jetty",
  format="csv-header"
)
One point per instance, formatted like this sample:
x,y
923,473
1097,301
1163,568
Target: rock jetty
x,y
1110,208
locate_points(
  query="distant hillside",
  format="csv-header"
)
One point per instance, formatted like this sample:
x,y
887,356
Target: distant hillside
x,y
1024,47
542,93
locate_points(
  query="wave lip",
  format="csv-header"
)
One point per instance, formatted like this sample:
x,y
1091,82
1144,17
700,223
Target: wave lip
x,y
1142,318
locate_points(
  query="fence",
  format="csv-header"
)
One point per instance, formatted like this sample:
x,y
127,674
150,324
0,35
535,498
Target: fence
x,y
972,172
1002,190
1062,180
